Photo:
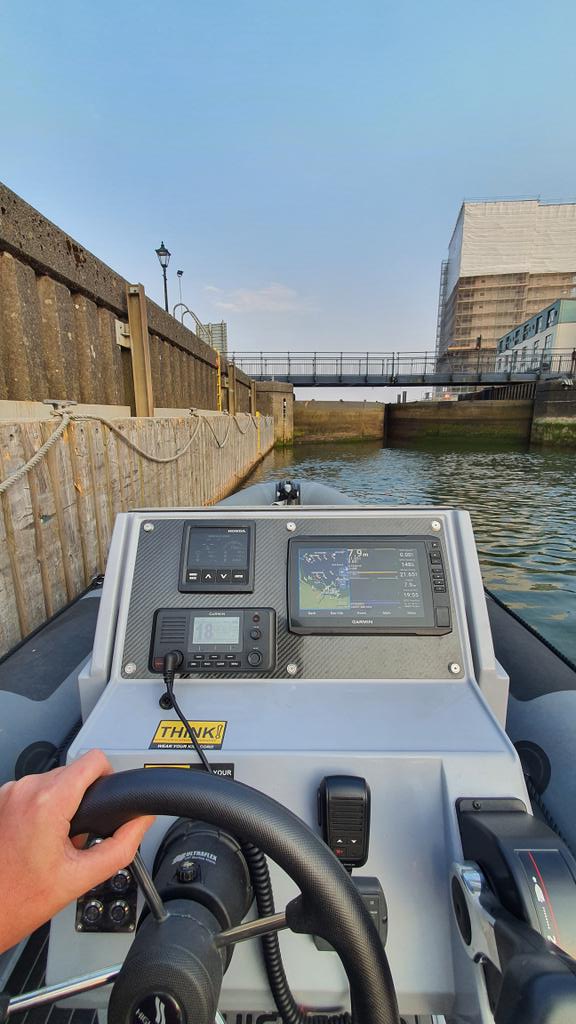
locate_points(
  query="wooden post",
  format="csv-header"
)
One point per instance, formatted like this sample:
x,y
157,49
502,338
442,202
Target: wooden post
x,y
140,350
253,397
258,441
219,382
232,389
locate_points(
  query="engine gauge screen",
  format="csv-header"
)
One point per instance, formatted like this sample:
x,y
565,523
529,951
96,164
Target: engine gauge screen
x,y
217,557
364,585
218,547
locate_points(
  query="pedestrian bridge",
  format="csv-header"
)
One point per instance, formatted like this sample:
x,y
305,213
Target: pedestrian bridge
x,y
406,369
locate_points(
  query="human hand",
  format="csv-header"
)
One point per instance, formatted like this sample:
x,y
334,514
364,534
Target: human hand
x,y
41,868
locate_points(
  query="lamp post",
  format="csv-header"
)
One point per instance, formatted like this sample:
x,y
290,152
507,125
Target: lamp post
x,y
164,257
179,274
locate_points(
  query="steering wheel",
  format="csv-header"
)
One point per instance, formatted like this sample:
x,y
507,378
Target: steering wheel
x,y
329,904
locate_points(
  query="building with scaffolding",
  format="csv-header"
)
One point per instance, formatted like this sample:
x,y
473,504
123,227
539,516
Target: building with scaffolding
x,y
507,260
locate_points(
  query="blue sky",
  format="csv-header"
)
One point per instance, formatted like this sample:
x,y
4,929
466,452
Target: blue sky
x,y
303,160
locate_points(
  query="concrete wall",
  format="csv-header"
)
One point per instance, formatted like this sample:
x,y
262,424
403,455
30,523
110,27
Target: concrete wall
x,y
504,421
58,310
273,398
554,421
339,421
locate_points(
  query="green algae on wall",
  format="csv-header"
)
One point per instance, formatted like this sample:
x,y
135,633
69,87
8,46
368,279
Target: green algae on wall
x,y
561,432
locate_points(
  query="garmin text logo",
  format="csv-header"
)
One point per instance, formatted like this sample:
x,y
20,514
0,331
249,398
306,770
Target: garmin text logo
x,y
160,1012
362,622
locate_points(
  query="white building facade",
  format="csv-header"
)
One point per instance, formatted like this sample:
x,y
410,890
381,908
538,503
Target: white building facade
x,y
545,340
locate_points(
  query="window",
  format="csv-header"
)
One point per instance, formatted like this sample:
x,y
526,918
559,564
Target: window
x,y
539,324
525,332
547,353
552,316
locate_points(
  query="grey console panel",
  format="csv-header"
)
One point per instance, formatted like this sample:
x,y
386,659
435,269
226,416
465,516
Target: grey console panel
x,y
418,716
156,578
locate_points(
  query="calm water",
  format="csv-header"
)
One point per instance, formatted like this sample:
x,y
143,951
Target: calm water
x,y
522,503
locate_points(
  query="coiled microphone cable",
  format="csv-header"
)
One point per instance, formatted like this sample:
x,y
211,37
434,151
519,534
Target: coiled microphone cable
x,y
286,1005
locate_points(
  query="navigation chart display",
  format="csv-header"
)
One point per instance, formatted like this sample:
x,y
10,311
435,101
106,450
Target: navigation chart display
x,y
359,585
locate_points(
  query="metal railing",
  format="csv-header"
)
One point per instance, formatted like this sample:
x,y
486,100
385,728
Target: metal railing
x,y
202,331
326,368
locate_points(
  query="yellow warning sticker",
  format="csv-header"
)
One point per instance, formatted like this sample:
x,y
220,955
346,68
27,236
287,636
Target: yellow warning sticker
x,y
168,764
171,735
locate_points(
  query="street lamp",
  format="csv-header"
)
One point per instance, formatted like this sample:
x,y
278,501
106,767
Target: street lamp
x,y
179,274
164,257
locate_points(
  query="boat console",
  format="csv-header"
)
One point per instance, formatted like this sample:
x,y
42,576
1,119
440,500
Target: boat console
x,y
337,659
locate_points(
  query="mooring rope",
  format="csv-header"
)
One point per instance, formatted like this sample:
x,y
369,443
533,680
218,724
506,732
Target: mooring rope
x,y
68,417
215,435
38,456
132,444
252,422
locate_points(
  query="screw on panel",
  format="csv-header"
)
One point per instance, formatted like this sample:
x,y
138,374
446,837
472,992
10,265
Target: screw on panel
x,y
291,527
130,668
292,669
454,668
148,527
436,526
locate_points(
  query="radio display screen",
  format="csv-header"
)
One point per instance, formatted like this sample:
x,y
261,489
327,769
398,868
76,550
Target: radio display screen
x,y
216,630
359,584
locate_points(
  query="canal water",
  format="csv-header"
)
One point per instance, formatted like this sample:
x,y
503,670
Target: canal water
x,y
522,503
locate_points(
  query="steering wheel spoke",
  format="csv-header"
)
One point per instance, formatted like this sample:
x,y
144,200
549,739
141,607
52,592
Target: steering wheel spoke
x,y
148,889
252,929
61,990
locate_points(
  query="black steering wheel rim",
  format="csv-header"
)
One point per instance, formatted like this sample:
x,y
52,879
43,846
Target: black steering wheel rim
x,y
330,904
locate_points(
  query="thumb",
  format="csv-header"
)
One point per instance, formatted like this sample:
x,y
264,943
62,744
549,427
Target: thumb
x,y
105,858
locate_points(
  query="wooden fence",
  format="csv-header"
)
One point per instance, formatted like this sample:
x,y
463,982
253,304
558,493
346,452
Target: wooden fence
x,y
56,520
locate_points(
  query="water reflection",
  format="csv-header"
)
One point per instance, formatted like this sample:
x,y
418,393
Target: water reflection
x,y
522,503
